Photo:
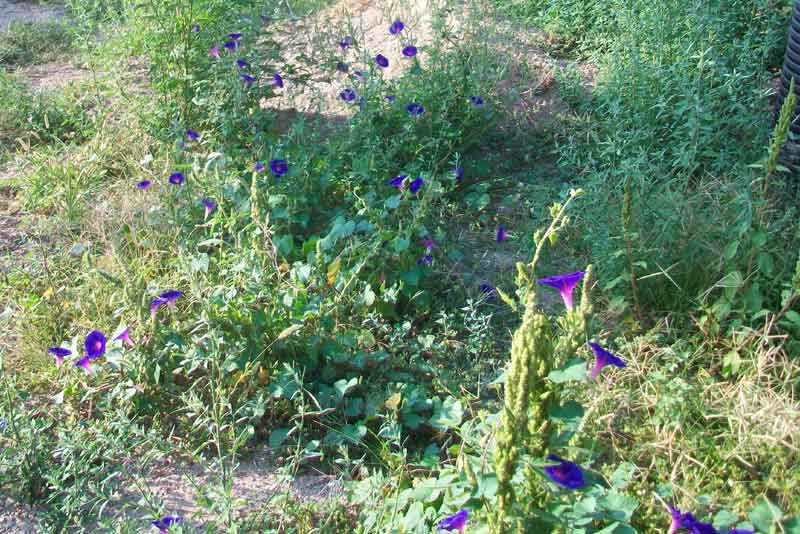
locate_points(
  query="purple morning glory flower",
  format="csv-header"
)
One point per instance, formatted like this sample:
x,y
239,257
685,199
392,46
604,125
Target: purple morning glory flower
x,y
60,353
688,522
176,178
358,73
157,303
171,296
382,61
427,259
95,344
192,135
242,64
501,234
346,42
398,181
458,172
277,80
214,52
565,473
231,45
603,358
164,523
410,51
195,28
247,79
457,521
144,184
259,166
125,337
234,36
391,98
210,206
478,101
279,167
416,184
488,290
565,283
85,364
348,95
341,66
415,109
428,243
396,27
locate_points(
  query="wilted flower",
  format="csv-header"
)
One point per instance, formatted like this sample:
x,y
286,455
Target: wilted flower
x,y
501,234
410,51
277,80
214,52
195,28
247,79
95,344
348,95
231,45
242,64
192,135
358,73
391,98
602,358
164,523
3,424
566,474
346,42
457,521
416,184
398,181
427,259
210,206
565,283
144,184
382,61
125,337
488,290
235,36
341,66
415,109
265,19
458,172
85,364
396,27
279,167
176,178
478,101
60,353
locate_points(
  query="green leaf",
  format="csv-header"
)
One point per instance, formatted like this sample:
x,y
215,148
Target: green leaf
x,y
392,202
447,414
623,475
619,506
765,515
570,414
731,249
574,370
343,387
279,436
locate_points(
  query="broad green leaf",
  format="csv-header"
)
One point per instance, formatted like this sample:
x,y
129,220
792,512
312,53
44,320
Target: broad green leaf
x,y
446,414
279,436
765,515
574,370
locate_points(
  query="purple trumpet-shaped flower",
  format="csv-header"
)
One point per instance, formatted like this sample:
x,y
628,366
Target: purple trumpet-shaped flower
x,y
155,304
458,172
60,353
348,95
396,27
214,51
398,182
382,61
686,521
565,473
192,135
428,243
247,79
416,184
501,234
259,167
346,42
478,101
85,363
165,523
231,45
125,337
415,109
279,167
277,80
234,36
210,206
242,64
457,521
427,259
144,184
565,283
95,344
391,98
603,358
167,297
176,178
410,51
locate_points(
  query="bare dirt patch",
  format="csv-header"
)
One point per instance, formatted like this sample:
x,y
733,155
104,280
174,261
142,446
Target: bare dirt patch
x,y
27,11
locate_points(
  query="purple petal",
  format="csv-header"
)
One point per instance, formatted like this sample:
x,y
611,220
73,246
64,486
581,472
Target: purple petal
x,y
501,234
382,61
176,178
603,358
144,184
279,167
85,364
565,473
457,521
396,27
125,337
410,51
565,283
95,344
416,184
277,80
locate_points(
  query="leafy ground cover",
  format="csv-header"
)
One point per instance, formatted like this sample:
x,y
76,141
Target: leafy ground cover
x,y
348,248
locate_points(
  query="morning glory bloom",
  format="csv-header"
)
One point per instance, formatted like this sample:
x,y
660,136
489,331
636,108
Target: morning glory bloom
x,y
279,167
398,181
488,290
144,184
164,523
428,243
346,42
235,36
192,135
259,166
458,172
277,80
457,521
603,358
247,79
157,302
478,101
501,234
415,109
565,283
176,178
195,28
686,521
396,27
210,206
416,184
125,337
242,64
85,364
214,52
60,353
566,474
171,296
95,344
410,51
391,98
427,259
231,45
348,95
382,61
